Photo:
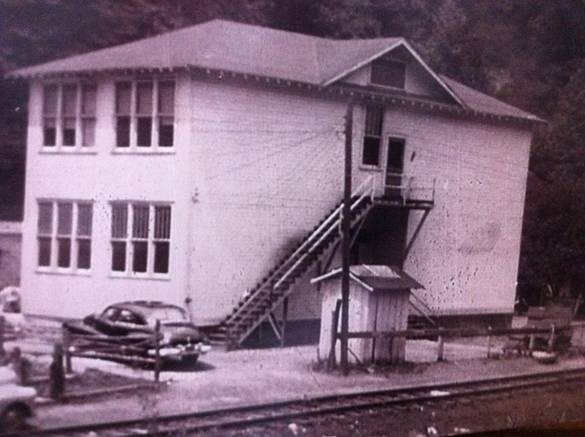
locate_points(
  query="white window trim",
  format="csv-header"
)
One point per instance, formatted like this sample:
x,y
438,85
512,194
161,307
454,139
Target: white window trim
x,y
59,148
53,267
128,273
154,148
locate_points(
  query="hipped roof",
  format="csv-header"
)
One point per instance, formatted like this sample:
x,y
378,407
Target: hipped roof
x,y
375,277
253,50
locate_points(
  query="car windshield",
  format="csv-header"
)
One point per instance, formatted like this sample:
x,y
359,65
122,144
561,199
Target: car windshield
x,y
166,315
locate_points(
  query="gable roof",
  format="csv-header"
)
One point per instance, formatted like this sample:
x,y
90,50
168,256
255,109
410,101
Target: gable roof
x,y
375,277
253,50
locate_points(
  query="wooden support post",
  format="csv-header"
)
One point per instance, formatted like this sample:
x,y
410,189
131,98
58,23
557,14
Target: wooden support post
x,y
66,335
56,373
551,338
346,245
2,335
489,347
157,351
334,327
284,320
531,343
20,365
440,348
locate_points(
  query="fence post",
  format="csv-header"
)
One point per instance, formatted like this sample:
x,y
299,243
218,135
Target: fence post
x,y
331,358
56,373
551,338
440,348
489,347
157,351
20,365
66,350
334,325
531,344
2,335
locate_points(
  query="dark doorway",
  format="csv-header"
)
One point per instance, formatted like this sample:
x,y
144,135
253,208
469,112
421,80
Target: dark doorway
x,y
394,167
382,239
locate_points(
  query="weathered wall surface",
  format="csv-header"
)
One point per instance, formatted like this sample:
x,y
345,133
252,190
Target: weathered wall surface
x,y
467,252
268,167
102,176
10,253
253,171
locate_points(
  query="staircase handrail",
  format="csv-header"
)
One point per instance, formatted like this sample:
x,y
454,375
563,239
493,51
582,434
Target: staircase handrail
x,y
354,204
333,216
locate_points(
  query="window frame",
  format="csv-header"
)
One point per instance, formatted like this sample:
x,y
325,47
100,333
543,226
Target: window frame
x,y
79,116
129,239
155,117
379,166
54,235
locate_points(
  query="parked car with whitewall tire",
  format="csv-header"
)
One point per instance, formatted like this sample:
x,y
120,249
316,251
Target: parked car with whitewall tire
x,y
131,326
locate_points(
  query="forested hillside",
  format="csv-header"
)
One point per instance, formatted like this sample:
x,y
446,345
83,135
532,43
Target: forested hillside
x,y
530,53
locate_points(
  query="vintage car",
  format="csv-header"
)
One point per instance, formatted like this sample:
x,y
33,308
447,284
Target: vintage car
x,y
16,402
126,329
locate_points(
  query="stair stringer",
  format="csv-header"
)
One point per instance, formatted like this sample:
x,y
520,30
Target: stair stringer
x,y
283,292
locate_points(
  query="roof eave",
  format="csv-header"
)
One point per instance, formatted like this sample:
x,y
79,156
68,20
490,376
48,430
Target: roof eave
x,y
342,91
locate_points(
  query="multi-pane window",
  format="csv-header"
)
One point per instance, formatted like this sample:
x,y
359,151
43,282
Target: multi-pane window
x,y
50,98
69,116
373,136
389,73
64,235
141,235
145,115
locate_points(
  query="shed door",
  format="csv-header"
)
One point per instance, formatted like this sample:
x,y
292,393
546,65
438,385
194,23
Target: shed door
x,y
394,166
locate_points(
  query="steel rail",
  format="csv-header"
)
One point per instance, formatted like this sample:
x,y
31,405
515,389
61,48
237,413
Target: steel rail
x,y
319,405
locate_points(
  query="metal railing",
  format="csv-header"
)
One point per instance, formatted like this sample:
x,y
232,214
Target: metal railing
x,y
410,187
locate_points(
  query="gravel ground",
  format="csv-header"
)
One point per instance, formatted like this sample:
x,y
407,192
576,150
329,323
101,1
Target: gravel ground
x,y
536,412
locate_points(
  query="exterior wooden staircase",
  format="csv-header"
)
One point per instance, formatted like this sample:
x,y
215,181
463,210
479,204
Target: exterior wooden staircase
x,y
260,302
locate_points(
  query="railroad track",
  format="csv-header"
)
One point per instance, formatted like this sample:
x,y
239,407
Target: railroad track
x,y
262,414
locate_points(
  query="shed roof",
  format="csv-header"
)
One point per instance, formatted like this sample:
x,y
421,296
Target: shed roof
x,y
375,277
254,50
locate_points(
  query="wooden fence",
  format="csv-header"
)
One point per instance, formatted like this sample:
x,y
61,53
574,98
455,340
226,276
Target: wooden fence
x,y
127,349
551,333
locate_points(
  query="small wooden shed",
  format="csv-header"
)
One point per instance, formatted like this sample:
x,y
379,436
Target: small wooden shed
x,y
378,301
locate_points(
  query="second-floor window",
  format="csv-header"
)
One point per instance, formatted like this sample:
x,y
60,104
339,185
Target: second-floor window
x,y
373,136
69,116
64,235
145,115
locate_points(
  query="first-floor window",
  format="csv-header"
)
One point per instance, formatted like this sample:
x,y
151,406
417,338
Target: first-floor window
x,y
140,238
64,234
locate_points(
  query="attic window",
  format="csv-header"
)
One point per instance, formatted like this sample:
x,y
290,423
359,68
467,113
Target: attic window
x,y
388,73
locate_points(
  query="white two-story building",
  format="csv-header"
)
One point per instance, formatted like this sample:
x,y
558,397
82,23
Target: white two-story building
x,y
203,167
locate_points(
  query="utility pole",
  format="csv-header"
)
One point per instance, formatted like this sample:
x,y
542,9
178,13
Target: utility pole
x,y
346,229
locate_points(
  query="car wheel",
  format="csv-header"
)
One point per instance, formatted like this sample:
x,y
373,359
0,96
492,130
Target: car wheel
x,y
14,419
